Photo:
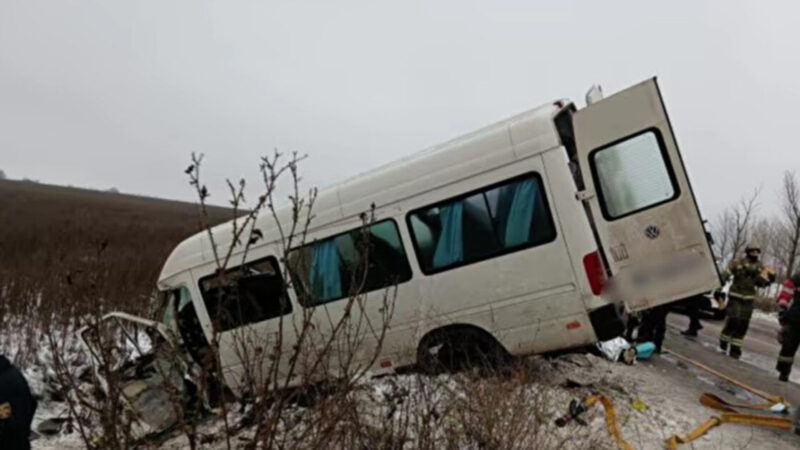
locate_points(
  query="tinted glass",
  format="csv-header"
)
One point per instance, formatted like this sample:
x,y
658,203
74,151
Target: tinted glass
x,y
358,261
632,175
495,221
247,294
189,325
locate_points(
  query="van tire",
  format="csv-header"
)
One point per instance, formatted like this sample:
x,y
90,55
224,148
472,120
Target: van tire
x,y
454,348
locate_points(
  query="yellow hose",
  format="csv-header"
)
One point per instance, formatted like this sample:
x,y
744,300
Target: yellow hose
x,y
611,419
729,411
751,419
730,414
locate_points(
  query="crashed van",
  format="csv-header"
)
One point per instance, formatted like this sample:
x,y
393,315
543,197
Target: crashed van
x,y
536,233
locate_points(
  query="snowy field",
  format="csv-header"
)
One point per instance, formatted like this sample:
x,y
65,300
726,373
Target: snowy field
x,y
654,399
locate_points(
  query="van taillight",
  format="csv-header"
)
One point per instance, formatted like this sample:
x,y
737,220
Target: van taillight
x,y
595,272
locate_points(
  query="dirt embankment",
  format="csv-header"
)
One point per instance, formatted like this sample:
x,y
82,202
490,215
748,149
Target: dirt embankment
x,y
60,245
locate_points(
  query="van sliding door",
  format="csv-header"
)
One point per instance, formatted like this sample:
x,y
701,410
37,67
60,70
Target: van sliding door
x,y
640,198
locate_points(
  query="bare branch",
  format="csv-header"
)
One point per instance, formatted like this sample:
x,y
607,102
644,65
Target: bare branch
x,y
790,229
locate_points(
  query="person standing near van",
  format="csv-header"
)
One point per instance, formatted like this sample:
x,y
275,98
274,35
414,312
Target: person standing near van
x,y
748,274
692,308
654,326
789,318
17,406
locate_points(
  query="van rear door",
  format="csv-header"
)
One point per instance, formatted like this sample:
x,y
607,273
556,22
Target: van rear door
x,y
640,199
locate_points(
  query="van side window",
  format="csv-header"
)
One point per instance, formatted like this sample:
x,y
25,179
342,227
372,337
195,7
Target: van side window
x,y
497,220
632,175
358,261
250,293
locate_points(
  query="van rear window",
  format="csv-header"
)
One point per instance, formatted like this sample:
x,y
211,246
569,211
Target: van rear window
x,y
499,219
633,175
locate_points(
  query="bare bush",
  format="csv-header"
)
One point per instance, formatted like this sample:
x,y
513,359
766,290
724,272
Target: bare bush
x,y
303,382
50,238
788,239
766,232
334,350
779,235
732,228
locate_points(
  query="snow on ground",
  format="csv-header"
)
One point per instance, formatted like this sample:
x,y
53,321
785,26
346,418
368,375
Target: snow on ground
x,y
766,316
668,393
673,396
670,399
38,370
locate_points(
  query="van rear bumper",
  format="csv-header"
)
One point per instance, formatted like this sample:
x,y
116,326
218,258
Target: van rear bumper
x,y
608,321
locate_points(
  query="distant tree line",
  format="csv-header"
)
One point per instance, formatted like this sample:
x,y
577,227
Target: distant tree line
x,y
778,234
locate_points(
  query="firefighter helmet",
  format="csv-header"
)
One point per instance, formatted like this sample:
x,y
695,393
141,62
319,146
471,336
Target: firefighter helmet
x,y
752,246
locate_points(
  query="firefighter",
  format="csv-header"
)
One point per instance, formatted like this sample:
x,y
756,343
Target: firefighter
x,y
17,406
789,318
748,274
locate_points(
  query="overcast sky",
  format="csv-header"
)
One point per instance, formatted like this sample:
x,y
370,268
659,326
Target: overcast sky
x,y
118,94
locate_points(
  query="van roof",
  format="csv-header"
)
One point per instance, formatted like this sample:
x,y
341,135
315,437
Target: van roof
x,y
522,135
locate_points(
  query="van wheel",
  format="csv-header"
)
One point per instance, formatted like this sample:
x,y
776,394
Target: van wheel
x,y
454,349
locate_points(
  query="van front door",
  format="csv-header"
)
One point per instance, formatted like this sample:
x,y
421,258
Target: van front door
x,y
641,201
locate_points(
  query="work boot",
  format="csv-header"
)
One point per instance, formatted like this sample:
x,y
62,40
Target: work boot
x,y
784,376
723,346
736,352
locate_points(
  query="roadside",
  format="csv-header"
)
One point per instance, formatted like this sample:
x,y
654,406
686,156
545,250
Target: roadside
x,y
673,389
760,348
653,400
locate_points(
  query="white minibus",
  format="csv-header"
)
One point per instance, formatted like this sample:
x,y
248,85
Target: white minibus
x,y
507,240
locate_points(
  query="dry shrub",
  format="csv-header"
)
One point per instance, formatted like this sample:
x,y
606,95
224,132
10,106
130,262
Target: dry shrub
x,y
103,265
66,253
473,409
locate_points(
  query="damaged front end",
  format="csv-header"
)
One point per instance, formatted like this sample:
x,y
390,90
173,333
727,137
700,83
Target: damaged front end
x,y
140,362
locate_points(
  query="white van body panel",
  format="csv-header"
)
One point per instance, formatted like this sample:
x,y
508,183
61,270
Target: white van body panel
x,y
536,299
571,216
518,293
406,179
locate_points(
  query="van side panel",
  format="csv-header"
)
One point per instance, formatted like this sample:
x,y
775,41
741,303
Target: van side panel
x,y
533,300
525,299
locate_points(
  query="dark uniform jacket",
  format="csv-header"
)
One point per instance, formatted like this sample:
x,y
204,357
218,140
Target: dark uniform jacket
x,y
17,406
746,278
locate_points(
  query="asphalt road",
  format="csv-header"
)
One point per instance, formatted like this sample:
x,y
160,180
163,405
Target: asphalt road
x,y
757,366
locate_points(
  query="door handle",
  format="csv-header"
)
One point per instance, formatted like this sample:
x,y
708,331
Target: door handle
x,y
584,195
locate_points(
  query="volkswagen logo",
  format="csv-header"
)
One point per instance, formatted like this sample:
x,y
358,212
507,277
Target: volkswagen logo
x,y
652,232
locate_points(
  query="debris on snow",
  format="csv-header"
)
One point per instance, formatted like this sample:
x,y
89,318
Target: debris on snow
x,y
652,403
617,349
52,426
